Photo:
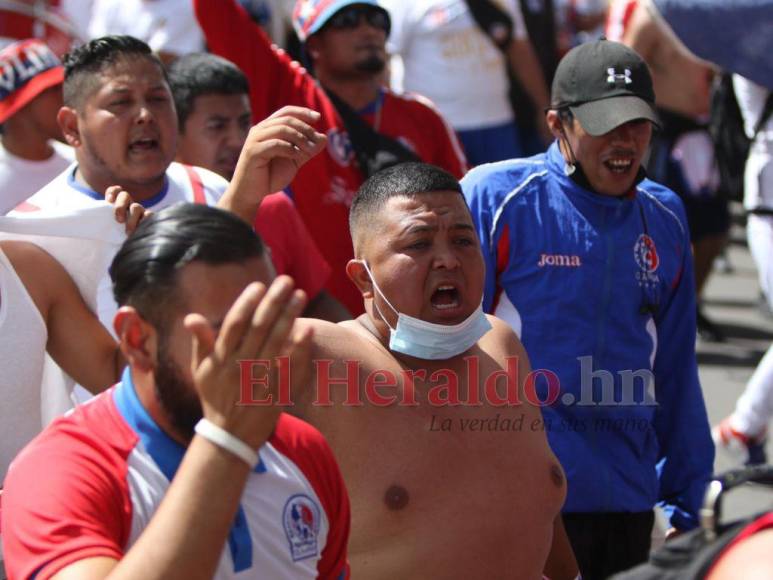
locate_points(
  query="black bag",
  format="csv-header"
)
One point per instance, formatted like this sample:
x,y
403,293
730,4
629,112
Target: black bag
x,y
692,555
731,144
494,21
373,150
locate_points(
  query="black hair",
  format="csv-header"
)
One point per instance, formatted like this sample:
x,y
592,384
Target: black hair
x,y
402,180
194,75
566,115
144,271
83,64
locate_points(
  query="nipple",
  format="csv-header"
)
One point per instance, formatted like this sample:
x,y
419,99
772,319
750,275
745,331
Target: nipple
x,y
396,497
557,475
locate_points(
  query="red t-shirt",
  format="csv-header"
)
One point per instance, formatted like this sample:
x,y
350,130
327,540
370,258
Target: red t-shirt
x,y
324,188
293,252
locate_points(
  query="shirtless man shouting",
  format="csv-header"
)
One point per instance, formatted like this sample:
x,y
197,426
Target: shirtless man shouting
x,y
448,477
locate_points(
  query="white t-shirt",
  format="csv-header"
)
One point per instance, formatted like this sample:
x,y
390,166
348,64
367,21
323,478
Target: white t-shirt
x,y
166,25
448,58
758,177
78,12
65,194
20,178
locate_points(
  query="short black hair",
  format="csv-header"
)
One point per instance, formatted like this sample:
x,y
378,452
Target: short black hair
x,y
84,63
144,271
197,74
565,114
402,180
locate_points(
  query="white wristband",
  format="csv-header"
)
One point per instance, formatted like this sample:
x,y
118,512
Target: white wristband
x,y
224,439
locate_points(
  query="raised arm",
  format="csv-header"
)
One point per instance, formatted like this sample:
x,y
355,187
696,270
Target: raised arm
x,y
274,151
275,80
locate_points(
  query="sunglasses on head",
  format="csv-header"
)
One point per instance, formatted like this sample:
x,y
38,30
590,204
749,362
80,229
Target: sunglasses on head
x,y
351,17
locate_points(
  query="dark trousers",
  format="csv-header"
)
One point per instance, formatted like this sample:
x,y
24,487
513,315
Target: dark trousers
x,y
607,543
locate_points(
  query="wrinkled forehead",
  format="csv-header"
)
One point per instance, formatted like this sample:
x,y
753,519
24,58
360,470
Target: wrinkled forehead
x,y
440,208
402,216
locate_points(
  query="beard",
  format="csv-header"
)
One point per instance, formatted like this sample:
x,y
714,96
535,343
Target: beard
x,y
177,395
372,64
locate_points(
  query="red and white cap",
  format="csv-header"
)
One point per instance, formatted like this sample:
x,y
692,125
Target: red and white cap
x,y
27,68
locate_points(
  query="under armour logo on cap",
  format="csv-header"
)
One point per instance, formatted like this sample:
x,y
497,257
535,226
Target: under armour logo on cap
x,y
604,84
613,78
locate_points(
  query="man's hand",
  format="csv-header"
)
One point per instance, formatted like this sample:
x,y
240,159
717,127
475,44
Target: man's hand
x,y
258,327
277,146
272,154
126,211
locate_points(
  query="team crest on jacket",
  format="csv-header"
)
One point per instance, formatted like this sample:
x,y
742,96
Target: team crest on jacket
x,y
340,147
646,254
301,519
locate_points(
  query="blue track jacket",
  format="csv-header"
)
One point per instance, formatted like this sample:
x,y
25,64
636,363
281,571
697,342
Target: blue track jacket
x,y
601,291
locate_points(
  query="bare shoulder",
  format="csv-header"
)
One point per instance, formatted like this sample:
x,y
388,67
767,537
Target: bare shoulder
x,y
332,339
501,339
325,330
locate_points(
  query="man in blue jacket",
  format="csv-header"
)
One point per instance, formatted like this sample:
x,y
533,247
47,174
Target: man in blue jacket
x,y
590,263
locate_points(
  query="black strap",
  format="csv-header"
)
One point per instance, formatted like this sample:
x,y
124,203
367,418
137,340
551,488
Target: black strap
x,y
493,21
373,150
498,26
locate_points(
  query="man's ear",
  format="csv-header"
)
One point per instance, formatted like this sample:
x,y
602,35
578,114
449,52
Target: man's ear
x,y
67,118
312,46
554,123
357,273
137,338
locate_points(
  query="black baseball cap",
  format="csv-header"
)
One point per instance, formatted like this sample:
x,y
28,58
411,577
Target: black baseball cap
x,y
604,84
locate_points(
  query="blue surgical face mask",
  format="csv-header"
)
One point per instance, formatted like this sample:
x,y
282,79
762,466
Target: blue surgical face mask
x,y
430,341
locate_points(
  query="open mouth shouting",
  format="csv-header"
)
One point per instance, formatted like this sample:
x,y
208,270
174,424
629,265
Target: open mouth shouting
x,y
445,298
143,145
